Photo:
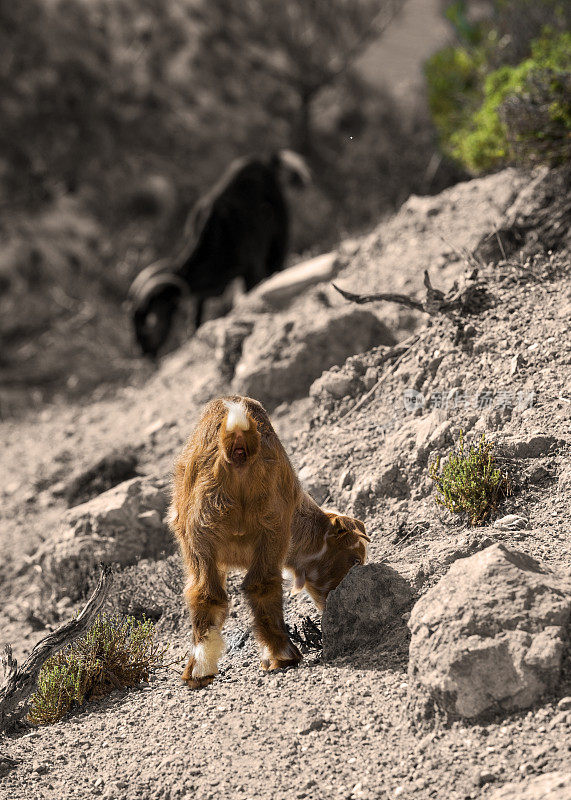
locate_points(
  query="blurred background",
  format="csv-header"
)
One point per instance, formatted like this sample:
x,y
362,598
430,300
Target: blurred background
x,y
117,114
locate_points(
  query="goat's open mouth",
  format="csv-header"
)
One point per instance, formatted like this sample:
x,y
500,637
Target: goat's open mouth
x,y
239,455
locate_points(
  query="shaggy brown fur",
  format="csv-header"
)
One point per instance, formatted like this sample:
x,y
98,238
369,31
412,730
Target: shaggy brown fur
x,y
237,503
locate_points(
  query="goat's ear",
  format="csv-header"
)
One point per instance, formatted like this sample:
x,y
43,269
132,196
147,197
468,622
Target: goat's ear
x,y
361,530
360,525
342,525
336,521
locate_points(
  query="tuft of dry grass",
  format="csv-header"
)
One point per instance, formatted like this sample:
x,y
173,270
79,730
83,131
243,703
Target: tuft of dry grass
x,y
470,482
116,652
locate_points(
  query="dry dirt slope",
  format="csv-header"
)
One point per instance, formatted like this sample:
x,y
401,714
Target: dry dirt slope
x,y
341,729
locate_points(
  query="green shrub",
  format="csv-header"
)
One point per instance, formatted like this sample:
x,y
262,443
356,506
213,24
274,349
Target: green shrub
x,y
116,652
454,76
490,111
470,483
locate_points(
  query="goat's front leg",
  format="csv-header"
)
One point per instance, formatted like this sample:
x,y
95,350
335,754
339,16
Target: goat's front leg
x,y
263,588
208,604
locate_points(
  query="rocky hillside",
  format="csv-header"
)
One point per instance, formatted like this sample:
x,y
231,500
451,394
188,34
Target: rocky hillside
x,y
445,667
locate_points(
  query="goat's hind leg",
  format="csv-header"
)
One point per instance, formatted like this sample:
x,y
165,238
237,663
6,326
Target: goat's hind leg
x,y
263,588
208,604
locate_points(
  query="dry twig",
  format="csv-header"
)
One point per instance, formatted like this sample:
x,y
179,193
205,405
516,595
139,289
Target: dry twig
x,y
468,300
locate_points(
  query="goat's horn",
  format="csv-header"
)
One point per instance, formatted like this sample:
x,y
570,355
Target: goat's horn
x,y
152,280
294,162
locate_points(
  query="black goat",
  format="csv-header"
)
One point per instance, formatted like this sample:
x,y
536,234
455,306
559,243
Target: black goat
x,y
239,228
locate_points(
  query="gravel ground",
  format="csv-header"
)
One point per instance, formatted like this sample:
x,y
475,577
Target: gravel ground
x,y
347,728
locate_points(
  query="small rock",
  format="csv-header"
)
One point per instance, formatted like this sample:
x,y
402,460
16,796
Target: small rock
x,y
387,480
563,718
337,384
511,522
537,474
316,724
59,489
6,764
346,479
481,777
432,434
283,287
516,363
565,703
564,480
107,472
359,609
152,429
370,378
434,364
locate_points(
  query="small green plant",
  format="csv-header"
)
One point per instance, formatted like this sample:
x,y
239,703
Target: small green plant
x,y
115,652
502,94
470,482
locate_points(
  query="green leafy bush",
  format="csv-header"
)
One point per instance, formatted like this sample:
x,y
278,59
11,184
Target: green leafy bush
x,y
470,482
489,110
116,652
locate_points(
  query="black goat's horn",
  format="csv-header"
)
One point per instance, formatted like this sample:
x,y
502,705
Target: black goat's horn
x,y
153,280
296,165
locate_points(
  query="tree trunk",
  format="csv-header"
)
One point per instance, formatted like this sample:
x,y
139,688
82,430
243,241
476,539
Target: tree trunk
x,y
303,134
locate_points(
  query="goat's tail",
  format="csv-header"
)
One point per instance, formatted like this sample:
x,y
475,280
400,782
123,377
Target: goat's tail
x,y
239,435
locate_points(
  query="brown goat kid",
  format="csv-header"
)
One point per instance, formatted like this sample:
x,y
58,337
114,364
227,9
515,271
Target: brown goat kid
x,y
237,503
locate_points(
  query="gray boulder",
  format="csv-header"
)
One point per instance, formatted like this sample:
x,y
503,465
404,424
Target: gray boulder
x,y
359,609
386,480
283,287
111,470
336,383
120,527
432,434
284,355
551,786
490,635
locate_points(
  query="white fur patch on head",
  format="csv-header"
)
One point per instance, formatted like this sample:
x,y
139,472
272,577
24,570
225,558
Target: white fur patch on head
x,y
207,653
237,418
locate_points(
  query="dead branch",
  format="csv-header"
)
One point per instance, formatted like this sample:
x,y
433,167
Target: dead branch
x,y
361,299
468,300
19,683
